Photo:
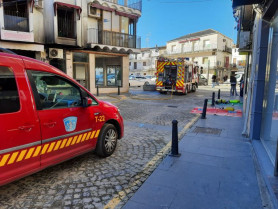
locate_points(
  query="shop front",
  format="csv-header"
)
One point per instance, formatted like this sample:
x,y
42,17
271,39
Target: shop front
x,y
269,126
103,71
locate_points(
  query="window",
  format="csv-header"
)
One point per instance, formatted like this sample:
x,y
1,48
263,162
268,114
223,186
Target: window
x,y
205,60
124,24
109,72
81,69
135,65
16,15
9,99
99,76
195,46
206,44
54,91
144,64
66,22
114,76
174,48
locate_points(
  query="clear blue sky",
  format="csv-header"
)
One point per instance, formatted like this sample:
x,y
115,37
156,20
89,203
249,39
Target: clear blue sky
x,y
164,20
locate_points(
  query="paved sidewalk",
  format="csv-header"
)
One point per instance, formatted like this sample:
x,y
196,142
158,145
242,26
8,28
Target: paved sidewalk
x,y
215,170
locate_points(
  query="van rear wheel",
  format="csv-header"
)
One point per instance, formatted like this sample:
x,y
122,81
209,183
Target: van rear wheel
x,y
107,140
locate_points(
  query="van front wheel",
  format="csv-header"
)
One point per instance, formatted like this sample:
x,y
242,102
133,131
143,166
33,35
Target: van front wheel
x,y
107,141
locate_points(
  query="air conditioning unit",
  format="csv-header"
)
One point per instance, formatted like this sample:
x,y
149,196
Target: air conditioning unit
x,y
56,53
94,12
38,4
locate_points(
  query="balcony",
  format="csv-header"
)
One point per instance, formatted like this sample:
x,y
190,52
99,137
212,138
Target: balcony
x,y
194,49
227,49
133,4
109,38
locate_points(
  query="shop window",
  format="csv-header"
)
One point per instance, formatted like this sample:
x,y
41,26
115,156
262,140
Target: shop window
x,y
269,125
99,76
16,15
9,99
114,76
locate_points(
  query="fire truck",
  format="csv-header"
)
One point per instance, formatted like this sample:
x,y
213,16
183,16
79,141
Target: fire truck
x,y
177,76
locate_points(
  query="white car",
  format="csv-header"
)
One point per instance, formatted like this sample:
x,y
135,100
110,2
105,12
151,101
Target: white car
x,y
139,80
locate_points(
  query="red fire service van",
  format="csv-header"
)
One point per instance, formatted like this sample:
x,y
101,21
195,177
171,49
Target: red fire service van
x,y
46,117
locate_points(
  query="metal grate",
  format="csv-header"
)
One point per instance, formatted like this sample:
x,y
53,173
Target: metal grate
x,y
203,130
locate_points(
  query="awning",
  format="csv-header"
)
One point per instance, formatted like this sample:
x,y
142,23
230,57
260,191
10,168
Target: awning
x,y
237,3
127,15
98,6
78,8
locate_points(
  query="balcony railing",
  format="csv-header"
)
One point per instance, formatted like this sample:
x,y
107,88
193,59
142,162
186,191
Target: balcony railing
x,y
194,49
16,21
134,4
227,49
96,36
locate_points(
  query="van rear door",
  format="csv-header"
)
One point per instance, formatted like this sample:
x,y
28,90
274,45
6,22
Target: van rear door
x,y
20,139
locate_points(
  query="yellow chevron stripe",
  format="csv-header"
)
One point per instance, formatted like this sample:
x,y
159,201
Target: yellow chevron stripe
x,y
4,160
74,140
63,143
21,156
51,147
84,137
29,154
37,152
97,134
57,145
13,157
44,148
93,134
79,138
18,156
88,136
69,141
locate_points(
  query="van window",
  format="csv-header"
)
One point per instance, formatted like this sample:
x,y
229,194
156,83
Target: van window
x,y
55,91
9,99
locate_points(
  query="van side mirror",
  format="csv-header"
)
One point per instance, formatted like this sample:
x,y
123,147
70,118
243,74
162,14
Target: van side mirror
x,y
87,102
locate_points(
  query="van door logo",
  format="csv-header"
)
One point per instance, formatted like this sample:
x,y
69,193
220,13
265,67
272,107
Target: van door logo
x,y
70,123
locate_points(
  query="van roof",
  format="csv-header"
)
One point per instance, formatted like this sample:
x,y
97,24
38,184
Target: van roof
x,y
52,69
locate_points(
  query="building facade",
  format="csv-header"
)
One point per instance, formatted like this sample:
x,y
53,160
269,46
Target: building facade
x,y
257,39
238,60
144,63
209,48
90,40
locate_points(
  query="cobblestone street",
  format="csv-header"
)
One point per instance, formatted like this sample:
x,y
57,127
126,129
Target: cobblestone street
x,y
92,182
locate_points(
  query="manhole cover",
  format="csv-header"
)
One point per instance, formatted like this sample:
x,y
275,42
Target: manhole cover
x,y
172,106
203,130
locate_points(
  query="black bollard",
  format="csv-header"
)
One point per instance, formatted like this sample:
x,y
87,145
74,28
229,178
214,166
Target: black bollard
x,y
204,109
213,99
119,90
218,94
175,140
97,91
